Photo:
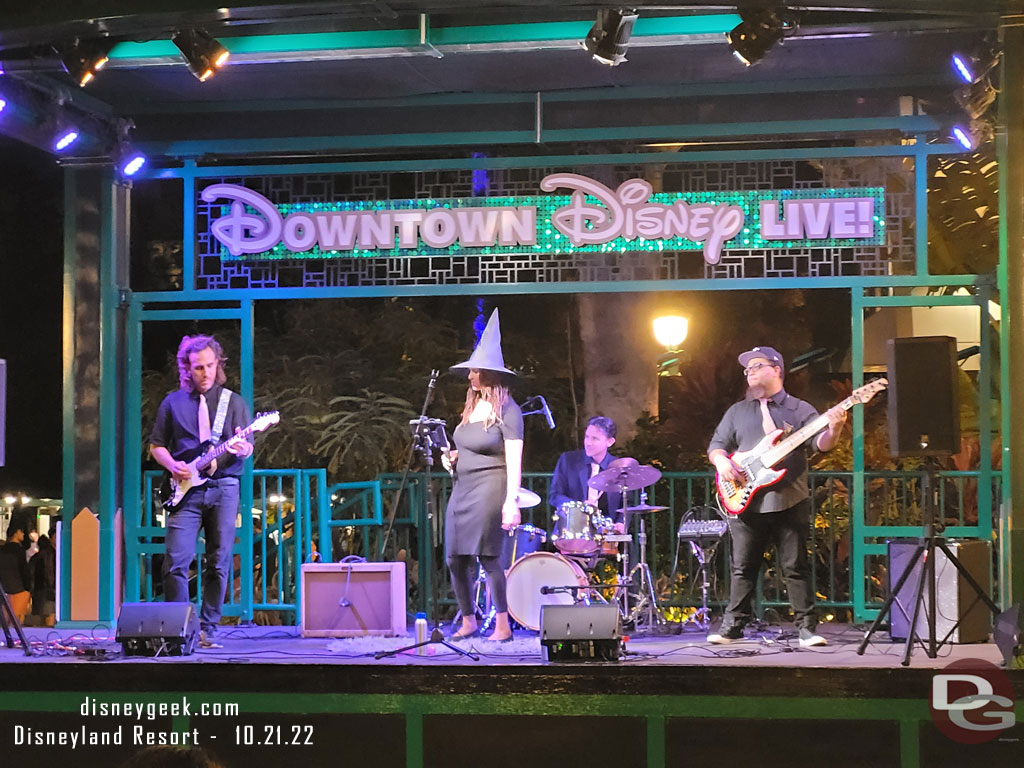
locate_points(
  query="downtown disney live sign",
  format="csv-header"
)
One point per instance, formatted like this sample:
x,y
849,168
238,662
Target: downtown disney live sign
x,y
590,218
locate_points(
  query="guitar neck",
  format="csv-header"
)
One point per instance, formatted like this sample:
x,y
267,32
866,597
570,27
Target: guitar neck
x,y
794,440
221,449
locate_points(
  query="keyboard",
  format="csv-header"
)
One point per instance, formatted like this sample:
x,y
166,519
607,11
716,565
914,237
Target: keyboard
x,y
702,529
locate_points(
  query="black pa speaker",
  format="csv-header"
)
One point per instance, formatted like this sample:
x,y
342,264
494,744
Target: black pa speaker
x,y
957,603
581,632
3,406
924,406
157,629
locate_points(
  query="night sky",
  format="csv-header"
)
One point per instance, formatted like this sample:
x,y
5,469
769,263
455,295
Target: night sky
x,y
31,267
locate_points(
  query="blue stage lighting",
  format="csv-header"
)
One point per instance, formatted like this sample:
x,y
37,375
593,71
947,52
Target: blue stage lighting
x,y
962,66
65,139
133,162
3,104
963,136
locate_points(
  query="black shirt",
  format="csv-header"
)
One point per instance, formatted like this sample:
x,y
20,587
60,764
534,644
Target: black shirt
x,y
177,426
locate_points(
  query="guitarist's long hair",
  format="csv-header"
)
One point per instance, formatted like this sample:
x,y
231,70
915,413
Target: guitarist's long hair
x,y
190,345
494,391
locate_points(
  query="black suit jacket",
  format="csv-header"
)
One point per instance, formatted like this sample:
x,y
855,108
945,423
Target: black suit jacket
x,y
569,483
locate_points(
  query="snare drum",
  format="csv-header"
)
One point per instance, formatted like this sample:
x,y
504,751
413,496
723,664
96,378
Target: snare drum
x,y
521,541
575,531
541,569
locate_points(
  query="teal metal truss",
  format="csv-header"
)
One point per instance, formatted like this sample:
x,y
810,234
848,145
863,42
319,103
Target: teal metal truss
x,y
120,422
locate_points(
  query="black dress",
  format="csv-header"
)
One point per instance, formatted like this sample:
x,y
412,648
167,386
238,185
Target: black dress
x,y
473,519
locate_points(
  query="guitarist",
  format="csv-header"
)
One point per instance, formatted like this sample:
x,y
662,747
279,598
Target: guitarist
x,y
780,513
183,424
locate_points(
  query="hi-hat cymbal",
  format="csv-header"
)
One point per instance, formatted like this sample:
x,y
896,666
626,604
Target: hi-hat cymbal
x,y
526,498
645,508
625,478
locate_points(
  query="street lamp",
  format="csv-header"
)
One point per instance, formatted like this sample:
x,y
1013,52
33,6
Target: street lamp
x,y
670,331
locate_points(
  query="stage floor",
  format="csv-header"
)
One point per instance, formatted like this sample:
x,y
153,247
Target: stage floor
x,y
770,646
670,700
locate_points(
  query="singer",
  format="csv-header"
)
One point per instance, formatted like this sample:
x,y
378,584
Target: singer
x,y
488,470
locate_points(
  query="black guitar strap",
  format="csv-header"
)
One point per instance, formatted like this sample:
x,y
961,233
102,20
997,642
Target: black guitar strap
x,y
222,412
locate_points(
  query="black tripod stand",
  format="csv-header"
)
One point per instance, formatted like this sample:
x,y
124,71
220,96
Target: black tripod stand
x,y
925,554
8,619
427,433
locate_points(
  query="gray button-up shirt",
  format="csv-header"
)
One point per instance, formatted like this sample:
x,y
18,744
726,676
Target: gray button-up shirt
x,y
741,429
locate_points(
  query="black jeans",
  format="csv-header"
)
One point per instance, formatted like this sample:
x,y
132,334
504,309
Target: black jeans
x,y
752,532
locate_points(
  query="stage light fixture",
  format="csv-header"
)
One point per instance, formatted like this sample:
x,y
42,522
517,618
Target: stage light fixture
x,y
3,105
971,68
759,30
83,59
608,39
65,138
203,54
131,163
971,135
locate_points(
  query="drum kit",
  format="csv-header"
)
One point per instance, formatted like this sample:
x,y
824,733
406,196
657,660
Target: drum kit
x,y
582,534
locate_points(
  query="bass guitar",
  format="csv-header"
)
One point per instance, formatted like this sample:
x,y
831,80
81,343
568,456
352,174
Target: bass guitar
x,y
173,492
757,463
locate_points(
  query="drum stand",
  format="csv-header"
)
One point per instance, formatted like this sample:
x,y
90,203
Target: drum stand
x,y
646,605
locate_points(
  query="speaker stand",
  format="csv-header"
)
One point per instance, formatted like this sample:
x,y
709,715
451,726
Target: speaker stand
x,y
925,552
8,620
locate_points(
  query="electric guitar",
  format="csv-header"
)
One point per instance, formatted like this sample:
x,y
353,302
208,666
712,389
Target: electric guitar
x,y
757,463
173,492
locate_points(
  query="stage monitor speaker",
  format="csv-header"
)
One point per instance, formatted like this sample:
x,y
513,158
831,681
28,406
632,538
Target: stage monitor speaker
x,y
581,632
157,629
353,599
956,598
924,406
3,407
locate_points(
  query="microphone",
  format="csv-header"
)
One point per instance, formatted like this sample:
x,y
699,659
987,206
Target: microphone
x,y
546,411
546,590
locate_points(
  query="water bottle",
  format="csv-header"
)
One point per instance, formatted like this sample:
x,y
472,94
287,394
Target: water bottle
x,y
421,633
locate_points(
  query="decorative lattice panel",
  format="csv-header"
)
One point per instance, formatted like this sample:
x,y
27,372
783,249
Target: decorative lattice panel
x,y
896,256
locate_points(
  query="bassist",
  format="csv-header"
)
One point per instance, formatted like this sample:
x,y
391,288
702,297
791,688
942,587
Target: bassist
x,y
185,422
779,514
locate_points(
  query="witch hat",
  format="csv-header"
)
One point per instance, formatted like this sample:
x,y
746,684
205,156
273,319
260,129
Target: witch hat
x,y
487,355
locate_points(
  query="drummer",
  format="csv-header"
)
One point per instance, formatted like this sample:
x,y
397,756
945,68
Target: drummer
x,y
575,468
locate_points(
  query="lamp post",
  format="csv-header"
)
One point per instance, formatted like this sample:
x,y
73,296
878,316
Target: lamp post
x,y
670,331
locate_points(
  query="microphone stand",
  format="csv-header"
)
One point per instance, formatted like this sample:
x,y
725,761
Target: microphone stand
x,y
423,443
408,461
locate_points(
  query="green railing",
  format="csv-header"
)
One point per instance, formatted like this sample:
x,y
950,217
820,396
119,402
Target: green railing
x,y
296,516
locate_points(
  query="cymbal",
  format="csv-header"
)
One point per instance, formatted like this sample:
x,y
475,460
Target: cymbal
x,y
645,508
625,461
625,478
525,498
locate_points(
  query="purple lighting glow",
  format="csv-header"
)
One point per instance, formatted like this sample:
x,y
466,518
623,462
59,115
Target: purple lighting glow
x,y
133,164
65,140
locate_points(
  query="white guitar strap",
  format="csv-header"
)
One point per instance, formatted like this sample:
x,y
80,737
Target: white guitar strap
x,y
222,412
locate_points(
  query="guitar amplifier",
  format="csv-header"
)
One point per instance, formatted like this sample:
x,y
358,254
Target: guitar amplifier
x,y
353,599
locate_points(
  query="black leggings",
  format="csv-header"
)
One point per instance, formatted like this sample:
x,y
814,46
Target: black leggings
x,y
464,571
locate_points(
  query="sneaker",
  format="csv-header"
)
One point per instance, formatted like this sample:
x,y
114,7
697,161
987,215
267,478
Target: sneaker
x,y
726,635
809,638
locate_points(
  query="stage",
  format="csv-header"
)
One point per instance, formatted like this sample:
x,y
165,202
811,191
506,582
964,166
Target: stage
x,y
268,696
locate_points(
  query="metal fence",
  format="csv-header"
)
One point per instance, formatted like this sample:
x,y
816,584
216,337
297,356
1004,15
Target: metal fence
x,y
295,516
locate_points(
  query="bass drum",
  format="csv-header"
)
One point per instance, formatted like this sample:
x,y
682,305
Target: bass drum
x,y
541,569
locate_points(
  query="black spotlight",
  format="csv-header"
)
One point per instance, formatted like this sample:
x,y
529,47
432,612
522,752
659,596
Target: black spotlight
x,y
608,39
84,58
759,30
203,54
